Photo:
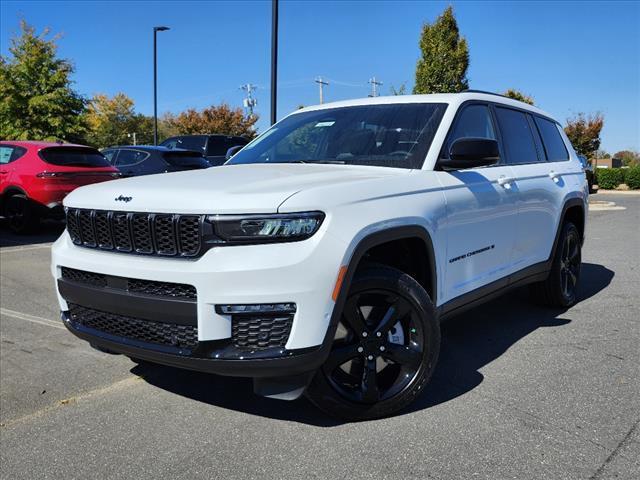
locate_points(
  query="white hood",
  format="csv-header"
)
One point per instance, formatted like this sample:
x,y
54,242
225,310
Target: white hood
x,y
250,188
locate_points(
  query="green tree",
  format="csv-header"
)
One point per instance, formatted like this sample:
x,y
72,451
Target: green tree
x,y
113,121
37,101
442,67
517,95
630,158
214,119
584,133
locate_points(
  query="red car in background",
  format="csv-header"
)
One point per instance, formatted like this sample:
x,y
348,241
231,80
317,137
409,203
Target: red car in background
x,y
36,176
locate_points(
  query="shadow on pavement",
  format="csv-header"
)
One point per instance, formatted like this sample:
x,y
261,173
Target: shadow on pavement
x,y
49,232
469,342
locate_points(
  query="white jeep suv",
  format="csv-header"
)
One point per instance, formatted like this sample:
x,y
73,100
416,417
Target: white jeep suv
x,y
324,255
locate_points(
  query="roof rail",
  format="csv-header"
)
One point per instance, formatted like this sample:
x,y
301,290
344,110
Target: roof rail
x,y
485,92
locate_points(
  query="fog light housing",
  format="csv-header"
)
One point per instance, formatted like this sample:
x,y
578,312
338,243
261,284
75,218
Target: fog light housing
x,y
259,308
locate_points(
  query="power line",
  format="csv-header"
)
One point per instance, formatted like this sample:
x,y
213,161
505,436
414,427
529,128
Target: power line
x,y
374,86
321,83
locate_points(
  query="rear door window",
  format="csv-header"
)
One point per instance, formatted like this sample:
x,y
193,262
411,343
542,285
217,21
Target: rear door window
x,y
517,137
553,144
74,157
5,154
110,155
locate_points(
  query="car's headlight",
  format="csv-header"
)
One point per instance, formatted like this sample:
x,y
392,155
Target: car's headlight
x,y
289,227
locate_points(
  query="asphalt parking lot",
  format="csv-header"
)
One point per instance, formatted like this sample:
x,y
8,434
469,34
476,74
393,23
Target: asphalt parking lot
x,y
520,392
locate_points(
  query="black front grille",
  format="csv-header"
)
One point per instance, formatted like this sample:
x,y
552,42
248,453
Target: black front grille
x,y
133,285
259,332
168,334
88,278
161,289
142,233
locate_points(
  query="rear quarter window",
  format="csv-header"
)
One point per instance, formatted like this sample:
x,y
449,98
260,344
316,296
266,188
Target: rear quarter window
x,y
74,157
553,144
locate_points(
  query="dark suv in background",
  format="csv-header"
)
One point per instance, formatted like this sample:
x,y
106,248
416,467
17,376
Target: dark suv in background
x,y
214,147
147,159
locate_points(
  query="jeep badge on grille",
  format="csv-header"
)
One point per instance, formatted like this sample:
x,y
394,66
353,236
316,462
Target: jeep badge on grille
x,y
122,198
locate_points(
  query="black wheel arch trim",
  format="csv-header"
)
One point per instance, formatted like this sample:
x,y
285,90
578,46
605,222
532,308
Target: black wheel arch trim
x,y
366,244
569,203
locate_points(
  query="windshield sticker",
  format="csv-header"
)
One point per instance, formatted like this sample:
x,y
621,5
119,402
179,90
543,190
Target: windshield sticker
x,y
325,124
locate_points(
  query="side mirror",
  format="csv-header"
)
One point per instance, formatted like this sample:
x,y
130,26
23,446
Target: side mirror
x,y
471,152
233,150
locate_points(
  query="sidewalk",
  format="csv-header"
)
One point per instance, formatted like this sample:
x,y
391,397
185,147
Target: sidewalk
x,y
617,192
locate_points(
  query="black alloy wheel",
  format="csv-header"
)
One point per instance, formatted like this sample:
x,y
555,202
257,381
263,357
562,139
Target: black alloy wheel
x,y
570,261
561,286
384,350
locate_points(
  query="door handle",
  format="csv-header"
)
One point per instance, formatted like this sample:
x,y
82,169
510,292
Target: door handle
x,y
554,176
3,172
505,181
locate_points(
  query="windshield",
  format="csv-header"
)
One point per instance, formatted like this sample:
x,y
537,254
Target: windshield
x,y
74,157
395,135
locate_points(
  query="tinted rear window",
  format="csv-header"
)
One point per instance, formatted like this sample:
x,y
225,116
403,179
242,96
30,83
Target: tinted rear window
x,y
186,160
195,143
218,146
553,144
74,157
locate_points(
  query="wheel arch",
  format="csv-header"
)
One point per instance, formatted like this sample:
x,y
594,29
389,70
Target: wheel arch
x,y
377,239
9,192
574,210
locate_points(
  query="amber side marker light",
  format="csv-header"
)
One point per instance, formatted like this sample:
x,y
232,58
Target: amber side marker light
x,y
336,289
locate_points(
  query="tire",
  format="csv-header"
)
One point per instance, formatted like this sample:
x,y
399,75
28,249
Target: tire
x,y
560,287
392,368
22,216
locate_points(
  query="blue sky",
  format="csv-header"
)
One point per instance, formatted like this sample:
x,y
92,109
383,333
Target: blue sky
x,y
571,57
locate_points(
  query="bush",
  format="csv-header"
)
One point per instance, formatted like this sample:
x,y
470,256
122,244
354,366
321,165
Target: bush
x,y
609,178
632,177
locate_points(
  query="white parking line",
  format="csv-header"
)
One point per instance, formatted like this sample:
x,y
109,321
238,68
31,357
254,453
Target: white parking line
x,y
22,249
31,318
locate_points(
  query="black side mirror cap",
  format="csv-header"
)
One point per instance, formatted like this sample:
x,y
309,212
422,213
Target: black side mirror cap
x,y
471,152
233,150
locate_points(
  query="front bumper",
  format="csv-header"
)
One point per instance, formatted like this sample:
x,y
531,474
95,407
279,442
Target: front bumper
x,y
303,273
273,363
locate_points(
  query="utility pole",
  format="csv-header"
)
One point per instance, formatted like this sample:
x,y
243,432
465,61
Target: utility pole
x,y
274,58
155,82
374,86
130,135
249,102
321,83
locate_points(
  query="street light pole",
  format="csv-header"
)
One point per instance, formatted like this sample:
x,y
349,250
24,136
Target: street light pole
x,y
274,58
155,82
